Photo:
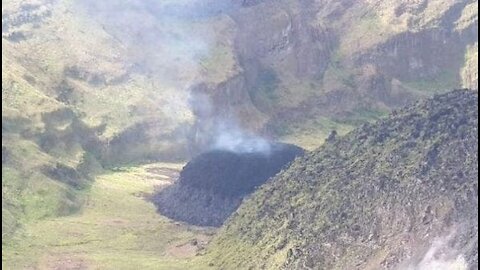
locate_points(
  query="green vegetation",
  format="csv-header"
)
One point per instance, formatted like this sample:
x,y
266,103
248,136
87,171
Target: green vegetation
x,y
75,83
439,84
363,115
368,31
337,74
116,229
27,194
65,93
220,64
469,72
347,204
264,93
267,83
312,133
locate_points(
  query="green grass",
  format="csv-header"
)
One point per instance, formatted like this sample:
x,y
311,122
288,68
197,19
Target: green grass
x,y
116,229
362,115
367,31
443,82
220,64
264,94
311,133
470,70
296,209
27,194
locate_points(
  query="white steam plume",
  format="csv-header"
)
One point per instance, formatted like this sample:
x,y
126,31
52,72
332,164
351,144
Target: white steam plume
x,y
222,132
440,256
232,138
166,40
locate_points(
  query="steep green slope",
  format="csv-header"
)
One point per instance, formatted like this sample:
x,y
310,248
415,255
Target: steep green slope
x,y
48,154
69,56
377,198
69,92
109,81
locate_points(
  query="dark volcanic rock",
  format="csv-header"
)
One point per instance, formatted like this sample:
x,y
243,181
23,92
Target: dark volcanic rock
x,y
236,174
398,194
212,185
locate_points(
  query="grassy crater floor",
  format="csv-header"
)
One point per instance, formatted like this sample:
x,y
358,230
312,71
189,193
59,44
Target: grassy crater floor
x,y
118,228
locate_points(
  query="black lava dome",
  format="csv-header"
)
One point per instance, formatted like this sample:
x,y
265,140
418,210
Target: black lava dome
x,y
236,174
213,184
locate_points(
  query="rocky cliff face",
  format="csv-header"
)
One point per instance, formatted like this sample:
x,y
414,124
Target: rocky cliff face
x,y
289,69
256,60
382,54
377,55
398,194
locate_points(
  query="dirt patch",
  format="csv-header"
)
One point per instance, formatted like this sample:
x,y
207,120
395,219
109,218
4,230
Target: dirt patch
x,y
117,222
182,251
189,249
163,172
65,262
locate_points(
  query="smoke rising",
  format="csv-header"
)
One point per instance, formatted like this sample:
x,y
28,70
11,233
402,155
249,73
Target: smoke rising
x,y
166,40
159,38
232,138
222,132
440,256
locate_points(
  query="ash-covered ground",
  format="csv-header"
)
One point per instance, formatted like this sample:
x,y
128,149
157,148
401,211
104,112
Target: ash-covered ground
x,y
212,185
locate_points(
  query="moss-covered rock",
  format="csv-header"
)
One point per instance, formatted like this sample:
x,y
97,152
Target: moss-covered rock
x,y
373,199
